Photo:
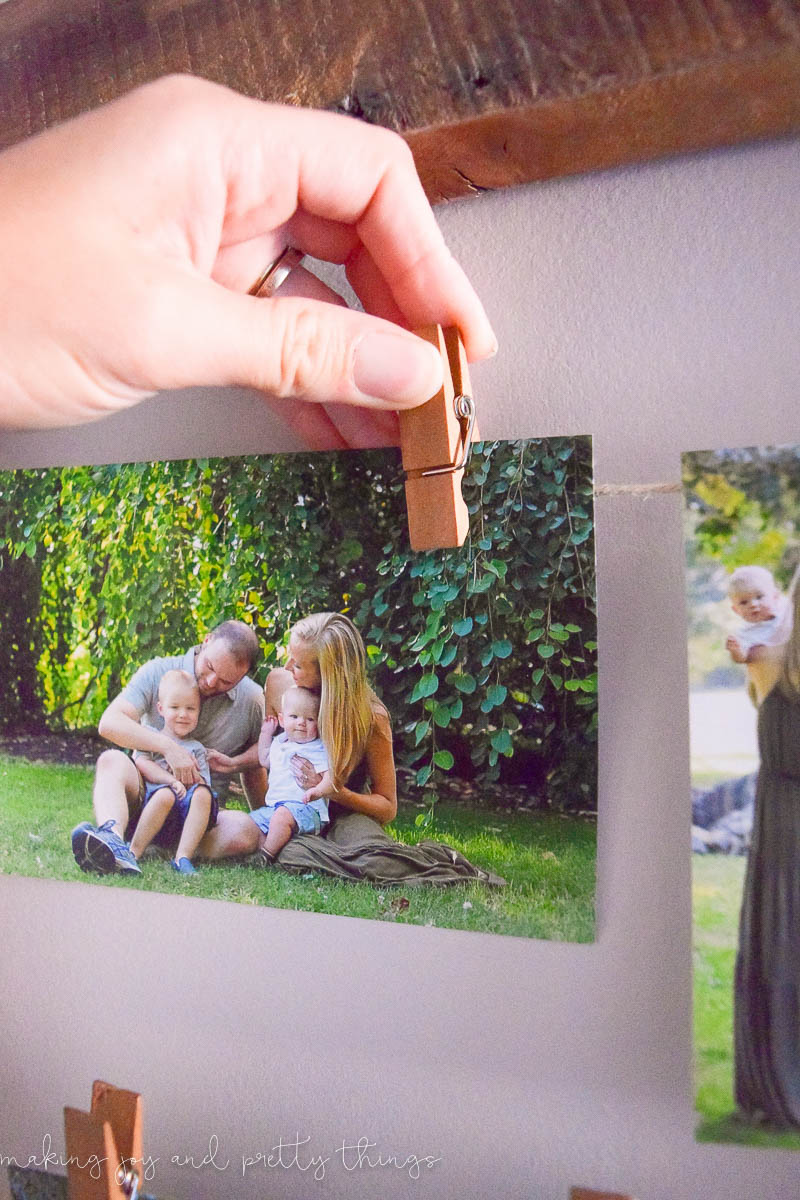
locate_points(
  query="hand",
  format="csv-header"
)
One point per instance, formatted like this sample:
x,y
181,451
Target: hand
x,y
130,235
182,764
315,793
218,761
268,727
178,789
735,649
304,774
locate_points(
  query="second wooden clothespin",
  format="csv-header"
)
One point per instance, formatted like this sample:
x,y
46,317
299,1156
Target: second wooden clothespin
x,y
104,1146
436,439
580,1193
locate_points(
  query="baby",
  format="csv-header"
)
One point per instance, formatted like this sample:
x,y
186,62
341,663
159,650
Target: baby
x,y
172,815
759,642
289,809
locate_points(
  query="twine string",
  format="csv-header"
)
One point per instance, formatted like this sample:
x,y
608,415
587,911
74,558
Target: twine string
x,y
643,490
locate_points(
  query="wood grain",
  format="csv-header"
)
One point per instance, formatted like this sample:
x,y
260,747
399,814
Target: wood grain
x,y
580,1193
432,436
487,94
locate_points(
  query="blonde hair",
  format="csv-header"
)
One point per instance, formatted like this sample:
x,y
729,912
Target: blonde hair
x,y
346,707
177,680
747,579
305,694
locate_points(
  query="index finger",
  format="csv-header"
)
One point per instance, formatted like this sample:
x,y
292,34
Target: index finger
x,y
340,170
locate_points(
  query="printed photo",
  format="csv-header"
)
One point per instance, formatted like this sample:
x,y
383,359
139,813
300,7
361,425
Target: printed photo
x,y
233,678
742,550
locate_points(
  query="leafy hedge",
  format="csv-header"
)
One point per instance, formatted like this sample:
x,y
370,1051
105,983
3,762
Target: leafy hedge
x,y
485,656
743,507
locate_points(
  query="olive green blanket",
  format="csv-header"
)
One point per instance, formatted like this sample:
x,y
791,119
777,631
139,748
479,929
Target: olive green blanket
x,y
357,847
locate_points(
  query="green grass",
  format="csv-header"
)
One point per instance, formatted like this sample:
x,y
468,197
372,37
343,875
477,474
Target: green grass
x,y
549,863
717,882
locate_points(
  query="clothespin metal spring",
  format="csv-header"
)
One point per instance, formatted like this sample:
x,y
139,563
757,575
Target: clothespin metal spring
x,y
128,1181
464,407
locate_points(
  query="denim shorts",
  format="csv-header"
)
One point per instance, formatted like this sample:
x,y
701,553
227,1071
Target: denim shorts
x,y
170,832
307,818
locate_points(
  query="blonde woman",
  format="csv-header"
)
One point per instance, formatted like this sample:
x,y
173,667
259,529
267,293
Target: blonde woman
x,y
327,656
767,981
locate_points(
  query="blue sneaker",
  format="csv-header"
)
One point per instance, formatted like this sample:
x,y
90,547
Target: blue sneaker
x,y
182,866
101,850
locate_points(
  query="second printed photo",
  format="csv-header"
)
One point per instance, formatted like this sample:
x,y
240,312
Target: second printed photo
x,y
742,552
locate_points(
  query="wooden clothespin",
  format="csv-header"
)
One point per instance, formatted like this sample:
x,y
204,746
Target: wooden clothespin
x,y
580,1193
104,1146
436,439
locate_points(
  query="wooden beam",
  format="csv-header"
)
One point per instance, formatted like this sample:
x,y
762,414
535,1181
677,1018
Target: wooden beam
x,y
487,94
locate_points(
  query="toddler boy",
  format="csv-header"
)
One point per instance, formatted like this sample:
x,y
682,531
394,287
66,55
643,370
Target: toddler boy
x,y
172,815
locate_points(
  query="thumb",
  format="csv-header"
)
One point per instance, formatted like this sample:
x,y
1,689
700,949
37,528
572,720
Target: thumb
x,y
300,347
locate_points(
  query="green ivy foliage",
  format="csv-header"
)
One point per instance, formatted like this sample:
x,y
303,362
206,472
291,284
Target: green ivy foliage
x,y
485,656
491,648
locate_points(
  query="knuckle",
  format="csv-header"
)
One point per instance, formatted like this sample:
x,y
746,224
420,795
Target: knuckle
x,y
176,109
312,355
169,91
395,147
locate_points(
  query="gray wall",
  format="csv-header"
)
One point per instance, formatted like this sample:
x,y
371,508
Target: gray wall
x,y
656,308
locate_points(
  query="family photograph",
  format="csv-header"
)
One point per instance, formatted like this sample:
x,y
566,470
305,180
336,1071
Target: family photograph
x,y
743,553
233,678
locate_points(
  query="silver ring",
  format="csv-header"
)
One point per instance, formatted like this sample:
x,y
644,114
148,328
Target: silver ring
x,y
277,272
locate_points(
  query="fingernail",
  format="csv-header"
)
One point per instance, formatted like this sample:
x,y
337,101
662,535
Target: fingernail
x,y
396,369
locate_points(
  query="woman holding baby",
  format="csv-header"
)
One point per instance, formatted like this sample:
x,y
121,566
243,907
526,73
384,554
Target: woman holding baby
x,y
327,657
334,728
767,980
327,661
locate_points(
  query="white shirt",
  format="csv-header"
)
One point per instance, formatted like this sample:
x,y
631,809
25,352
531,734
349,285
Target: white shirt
x,y
282,784
773,632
